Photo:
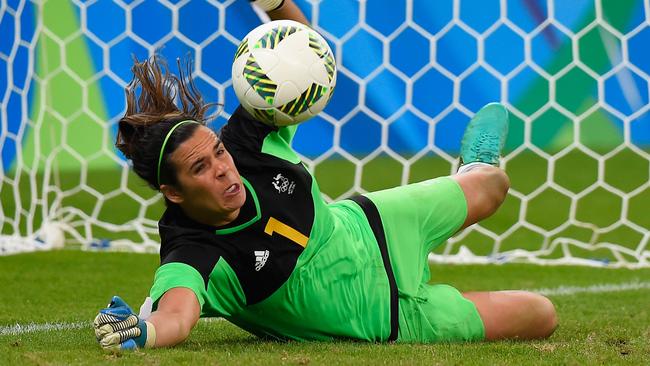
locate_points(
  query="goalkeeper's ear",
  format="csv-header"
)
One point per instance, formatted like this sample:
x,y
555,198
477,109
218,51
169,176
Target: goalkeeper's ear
x,y
172,193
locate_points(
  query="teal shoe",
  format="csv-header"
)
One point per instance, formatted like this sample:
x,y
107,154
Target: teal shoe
x,y
485,135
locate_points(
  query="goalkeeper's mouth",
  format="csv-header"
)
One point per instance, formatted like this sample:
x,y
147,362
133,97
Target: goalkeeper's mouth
x,y
232,190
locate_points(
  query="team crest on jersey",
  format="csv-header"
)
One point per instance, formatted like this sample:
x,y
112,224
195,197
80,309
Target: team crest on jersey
x,y
283,184
260,258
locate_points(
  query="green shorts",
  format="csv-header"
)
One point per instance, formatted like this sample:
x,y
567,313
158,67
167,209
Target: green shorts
x,y
416,219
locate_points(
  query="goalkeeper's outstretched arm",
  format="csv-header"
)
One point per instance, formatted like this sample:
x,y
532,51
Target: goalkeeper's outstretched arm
x,y
178,312
118,328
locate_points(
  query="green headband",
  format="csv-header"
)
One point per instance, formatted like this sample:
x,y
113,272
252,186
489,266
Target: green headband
x,y
162,148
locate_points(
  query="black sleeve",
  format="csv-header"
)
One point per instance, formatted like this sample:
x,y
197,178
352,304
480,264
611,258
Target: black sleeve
x,y
203,258
244,132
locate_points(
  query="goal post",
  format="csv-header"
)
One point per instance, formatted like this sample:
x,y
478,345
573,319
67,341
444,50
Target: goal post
x,y
411,73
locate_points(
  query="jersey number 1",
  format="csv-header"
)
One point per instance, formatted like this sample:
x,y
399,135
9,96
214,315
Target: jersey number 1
x,y
276,226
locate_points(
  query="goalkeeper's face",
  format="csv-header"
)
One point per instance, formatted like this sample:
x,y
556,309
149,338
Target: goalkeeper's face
x,y
209,189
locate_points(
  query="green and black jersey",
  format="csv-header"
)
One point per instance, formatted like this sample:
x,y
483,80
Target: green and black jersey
x,y
290,266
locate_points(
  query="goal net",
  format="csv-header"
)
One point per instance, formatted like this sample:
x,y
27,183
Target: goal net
x,y
411,73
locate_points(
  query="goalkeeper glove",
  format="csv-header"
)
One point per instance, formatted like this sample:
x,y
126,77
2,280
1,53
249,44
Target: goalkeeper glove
x,y
118,328
268,5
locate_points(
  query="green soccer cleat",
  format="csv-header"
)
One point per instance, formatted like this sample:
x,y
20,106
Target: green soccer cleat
x,y
485,135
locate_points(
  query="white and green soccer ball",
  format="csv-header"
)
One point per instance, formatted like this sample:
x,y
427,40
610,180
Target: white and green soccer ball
x,y
283,73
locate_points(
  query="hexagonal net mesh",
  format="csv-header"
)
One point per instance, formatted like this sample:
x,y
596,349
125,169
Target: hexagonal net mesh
x,y
411,74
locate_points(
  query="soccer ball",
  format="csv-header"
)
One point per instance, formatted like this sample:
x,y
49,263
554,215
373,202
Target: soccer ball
x,y
283,73
51,235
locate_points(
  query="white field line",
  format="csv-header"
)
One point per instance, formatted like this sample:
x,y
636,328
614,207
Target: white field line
x,y
593,289
18,329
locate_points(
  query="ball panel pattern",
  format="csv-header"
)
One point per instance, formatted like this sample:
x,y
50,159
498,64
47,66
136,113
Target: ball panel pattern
x,y
243,48
275,36
305,100
258,80
264,115
319,46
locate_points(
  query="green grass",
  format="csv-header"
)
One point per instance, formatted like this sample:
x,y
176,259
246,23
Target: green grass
x,y
70,286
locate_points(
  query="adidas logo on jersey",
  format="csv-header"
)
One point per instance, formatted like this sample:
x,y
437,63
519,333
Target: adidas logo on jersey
x,y
260,258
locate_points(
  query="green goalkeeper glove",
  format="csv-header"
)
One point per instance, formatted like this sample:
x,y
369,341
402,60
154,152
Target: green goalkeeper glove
x,y
118,328
268,5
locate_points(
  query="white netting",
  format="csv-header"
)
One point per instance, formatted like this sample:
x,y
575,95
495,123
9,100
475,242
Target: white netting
x,y
411,74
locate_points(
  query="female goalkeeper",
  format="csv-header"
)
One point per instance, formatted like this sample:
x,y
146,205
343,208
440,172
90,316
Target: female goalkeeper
x,y
246,235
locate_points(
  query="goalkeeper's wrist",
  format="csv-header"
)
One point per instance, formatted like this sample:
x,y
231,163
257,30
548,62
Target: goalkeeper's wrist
x,y
149,333
268,5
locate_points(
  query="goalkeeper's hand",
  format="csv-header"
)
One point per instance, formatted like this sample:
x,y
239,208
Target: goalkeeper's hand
x,y
118,328
268,5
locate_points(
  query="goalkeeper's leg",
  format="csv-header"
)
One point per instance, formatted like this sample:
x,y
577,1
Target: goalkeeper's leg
x,y
485,189
505,314
514,314
485,185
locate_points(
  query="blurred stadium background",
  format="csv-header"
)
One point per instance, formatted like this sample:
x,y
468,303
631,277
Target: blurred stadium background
x,y
411,73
